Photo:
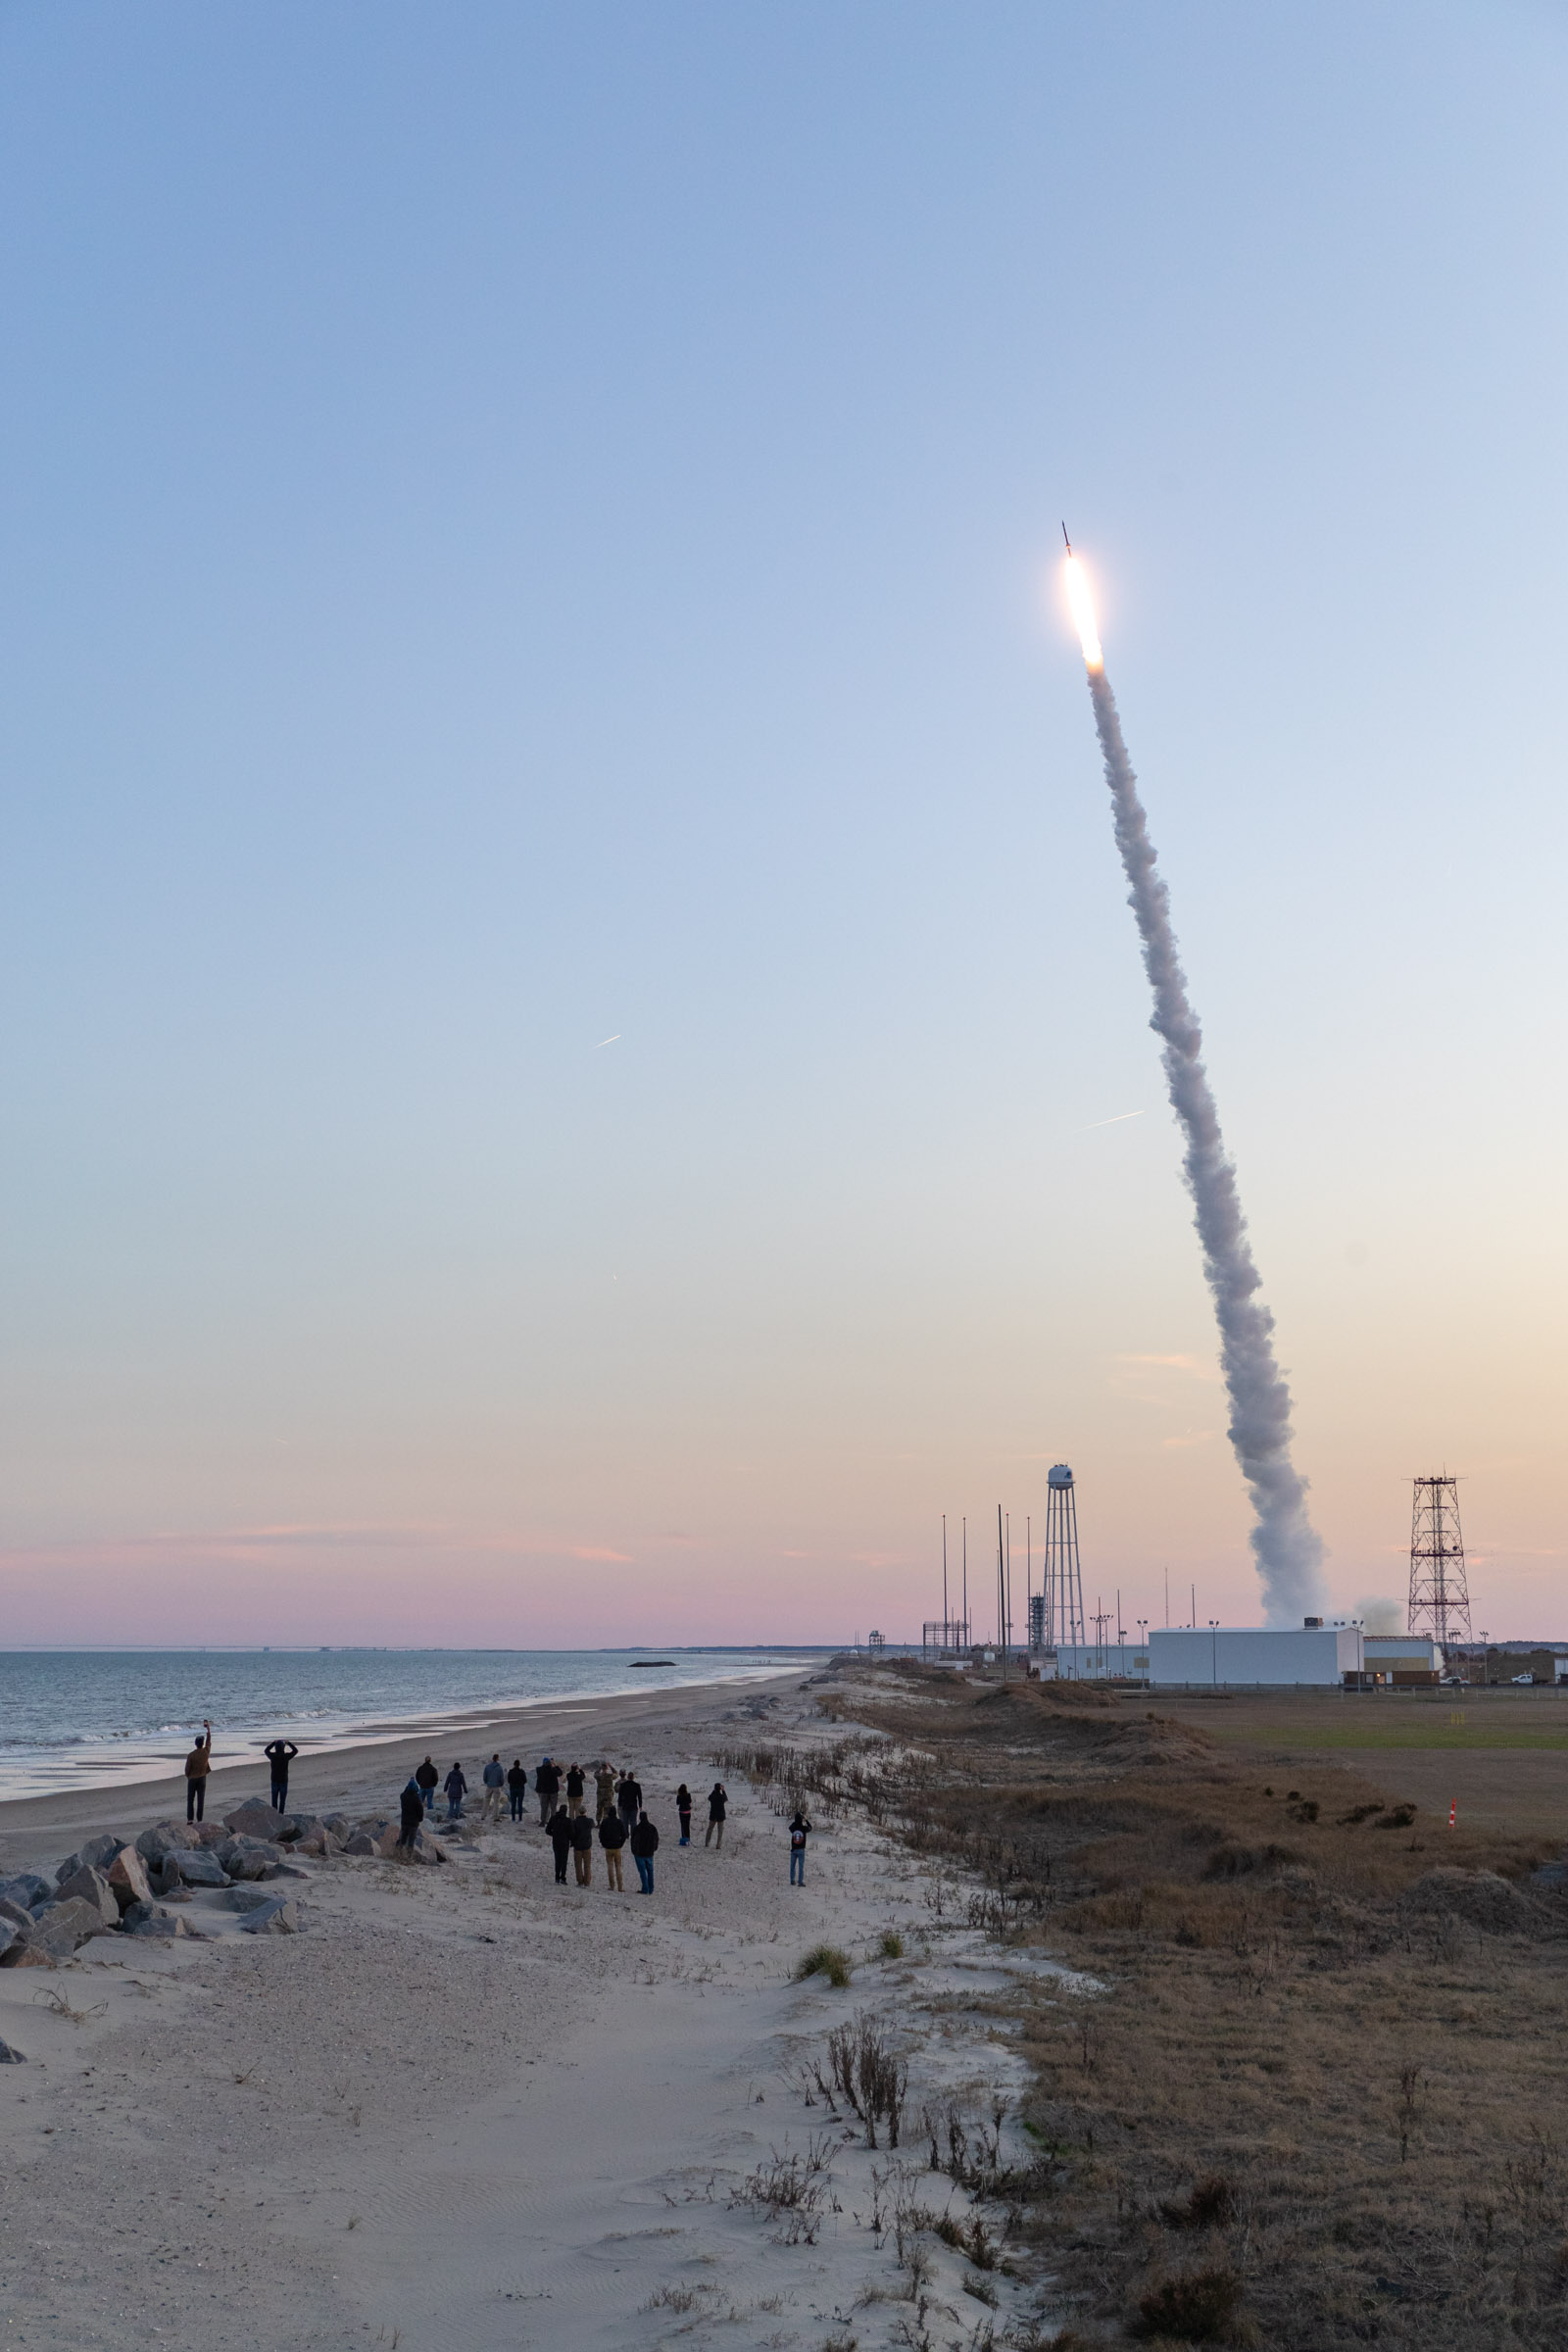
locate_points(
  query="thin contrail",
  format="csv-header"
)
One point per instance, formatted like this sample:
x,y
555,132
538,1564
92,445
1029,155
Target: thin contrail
x,y
1288,1548
1115,1122
608,1041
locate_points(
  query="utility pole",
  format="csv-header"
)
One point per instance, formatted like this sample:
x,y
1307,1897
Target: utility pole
x,y
1007,1643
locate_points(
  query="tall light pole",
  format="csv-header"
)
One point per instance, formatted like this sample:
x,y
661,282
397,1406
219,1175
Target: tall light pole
x,y
1214,1641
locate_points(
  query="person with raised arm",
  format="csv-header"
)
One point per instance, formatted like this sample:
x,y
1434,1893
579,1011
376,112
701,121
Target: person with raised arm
x,y
198,1764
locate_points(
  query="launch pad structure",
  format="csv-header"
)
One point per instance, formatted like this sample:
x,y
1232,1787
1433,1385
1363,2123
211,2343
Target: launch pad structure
x,y
1440,1597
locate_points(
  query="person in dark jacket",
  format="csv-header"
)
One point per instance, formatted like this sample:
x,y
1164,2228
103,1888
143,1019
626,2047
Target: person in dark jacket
x,y
800,1831
559,1827
516,1787
457,1788
430,1780
684,1812
613,1836
574,1789
582,1847
629,1798
411,1812
717,1805
644,1843
547,1788
280,1755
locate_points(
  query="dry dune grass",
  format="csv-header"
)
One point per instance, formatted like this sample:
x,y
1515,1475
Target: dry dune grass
x,y
1318,2101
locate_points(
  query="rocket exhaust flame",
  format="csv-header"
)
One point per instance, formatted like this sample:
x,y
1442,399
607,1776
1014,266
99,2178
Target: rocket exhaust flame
x,y
1083,614
1286,1546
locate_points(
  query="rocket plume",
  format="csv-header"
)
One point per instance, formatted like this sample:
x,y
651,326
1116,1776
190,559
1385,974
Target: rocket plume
x,y
1288,1548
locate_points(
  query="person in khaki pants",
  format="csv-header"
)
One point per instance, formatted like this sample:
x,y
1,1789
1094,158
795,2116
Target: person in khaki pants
x,y
604,1789
582,1849
613,1836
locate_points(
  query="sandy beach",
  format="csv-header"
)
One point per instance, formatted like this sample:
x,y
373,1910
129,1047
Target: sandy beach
x,y
467,2109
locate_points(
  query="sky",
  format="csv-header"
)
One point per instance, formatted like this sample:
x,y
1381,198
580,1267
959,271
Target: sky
x,y
573,1062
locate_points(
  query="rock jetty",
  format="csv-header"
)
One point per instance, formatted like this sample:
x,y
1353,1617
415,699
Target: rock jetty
x,y
121,1887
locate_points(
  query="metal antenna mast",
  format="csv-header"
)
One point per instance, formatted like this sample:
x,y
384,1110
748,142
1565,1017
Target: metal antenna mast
x,y
1062,1615
1440,1597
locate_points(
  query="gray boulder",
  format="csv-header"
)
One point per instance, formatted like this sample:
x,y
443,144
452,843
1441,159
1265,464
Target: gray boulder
x,y
359,1842
200,1869
167,1838
9,1933
246,1898
27,1889
127,1875
88,1885
17,1914
155,1919
55,1934
278,1917
295,1826
94,1853
248,1857
253,1819
11,2057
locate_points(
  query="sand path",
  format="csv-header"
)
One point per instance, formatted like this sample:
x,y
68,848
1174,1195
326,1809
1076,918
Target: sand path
x,y
469,2109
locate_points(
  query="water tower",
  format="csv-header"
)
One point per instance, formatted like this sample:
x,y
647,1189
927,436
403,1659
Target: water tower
x,y
1061,1613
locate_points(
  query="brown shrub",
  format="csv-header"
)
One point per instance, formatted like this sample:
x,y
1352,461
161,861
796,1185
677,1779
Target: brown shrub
x,y
1480,1897
1209,2205
1198,2307
1240,1861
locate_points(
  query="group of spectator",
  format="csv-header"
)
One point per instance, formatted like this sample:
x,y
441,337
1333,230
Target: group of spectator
x,y
619,1819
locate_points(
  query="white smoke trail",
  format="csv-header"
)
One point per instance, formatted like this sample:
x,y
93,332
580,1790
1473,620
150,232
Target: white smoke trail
x,y
1288,1548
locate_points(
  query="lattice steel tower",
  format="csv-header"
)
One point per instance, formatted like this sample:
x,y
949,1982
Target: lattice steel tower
x,y
1439,1599
1061,1613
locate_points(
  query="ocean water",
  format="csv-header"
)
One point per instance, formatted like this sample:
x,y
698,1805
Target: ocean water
x,y
95,1719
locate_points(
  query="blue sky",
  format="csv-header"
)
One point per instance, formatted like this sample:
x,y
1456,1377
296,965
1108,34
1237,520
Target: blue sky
x,y
529,525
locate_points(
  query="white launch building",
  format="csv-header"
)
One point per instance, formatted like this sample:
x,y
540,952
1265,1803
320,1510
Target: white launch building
x,y
1324,1653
